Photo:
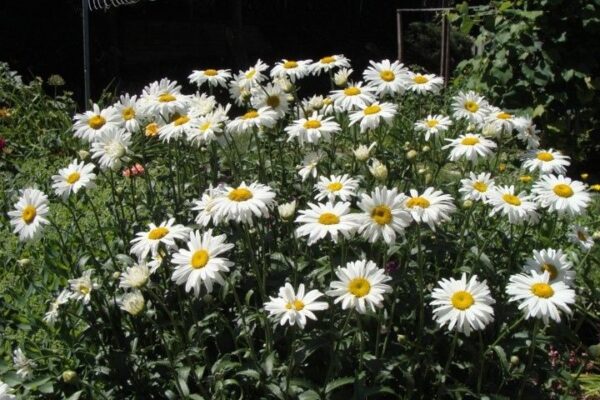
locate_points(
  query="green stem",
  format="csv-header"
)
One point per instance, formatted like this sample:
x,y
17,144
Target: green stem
x,y
531,356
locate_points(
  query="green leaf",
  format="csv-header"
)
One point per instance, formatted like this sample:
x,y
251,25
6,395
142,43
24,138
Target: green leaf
x,y
331,386
502,356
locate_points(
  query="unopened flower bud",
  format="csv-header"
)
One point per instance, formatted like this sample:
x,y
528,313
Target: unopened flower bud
x,y
69,376
596,235
467,204
421,171
514,360
378,170
362,152
401,338
471,128
428,178
287,210
425,149
116,275
411,154
83,154
23,262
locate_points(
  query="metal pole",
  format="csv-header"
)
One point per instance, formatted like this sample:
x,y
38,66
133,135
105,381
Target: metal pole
x,y
399,33
86,51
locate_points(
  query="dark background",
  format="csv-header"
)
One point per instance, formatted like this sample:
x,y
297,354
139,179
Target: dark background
x,y
136,44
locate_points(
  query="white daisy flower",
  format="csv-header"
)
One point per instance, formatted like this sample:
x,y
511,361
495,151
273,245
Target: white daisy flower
x,y
52,314
28,217
546,162
469,106
517,207
89,125
554,262
127,107
464,306
353,97
239,93
313,129
291,69
362,152
201,264
477,187
241,203
499,120
341,77
82,287
538,297
432,207
317,103
253,76
132,302
270,95
423,83
287,210
23,365
361,286
73,178
205,206
112,148
162,99
370,116
328,63
135,276
386,77
207,128
166,233
378,170
309,165
201,104
214,77
561,194
383,215
527,132
294,308
581,236
180,125
263,117
470,146
336,186
433,125
322,219
6,392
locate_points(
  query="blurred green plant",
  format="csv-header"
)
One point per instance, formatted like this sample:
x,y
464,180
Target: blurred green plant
x,y
540,56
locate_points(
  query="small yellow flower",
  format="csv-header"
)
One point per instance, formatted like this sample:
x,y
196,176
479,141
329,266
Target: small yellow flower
x,y
5,112
502,167
595,187
525,178
151,129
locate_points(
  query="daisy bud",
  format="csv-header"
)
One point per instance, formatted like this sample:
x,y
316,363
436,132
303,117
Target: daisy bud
x,y
489,130
287,210
425,149
471,128
421,171
23,262
514,360
341,77
378,170
362,152
126,173
467,204
502,167
525,178
132,302
406,146
401,338
69,376
411,154
596,235
83,154
428,178
584,176
116,275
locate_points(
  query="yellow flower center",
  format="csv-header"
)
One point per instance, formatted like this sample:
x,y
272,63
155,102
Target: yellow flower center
x,y
183,119
73,177
462,300
351,91
273,101
250,74
205,126
469,141
551,269
83,289
387,75
382,214
511,199
312,124
211,72
334,186
128,113
471,106
374,109
432,123
199,259
240,194
525,178
151,129
297,305
542,290
96,122
250,115
563,190
327,60
480,186
420,79
327,101
28,214
158,233
545,156
360,287
290,64
166,98
417,202
329,219
504,115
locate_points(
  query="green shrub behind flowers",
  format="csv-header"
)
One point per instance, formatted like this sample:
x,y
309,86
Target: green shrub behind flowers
x,y
374,242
